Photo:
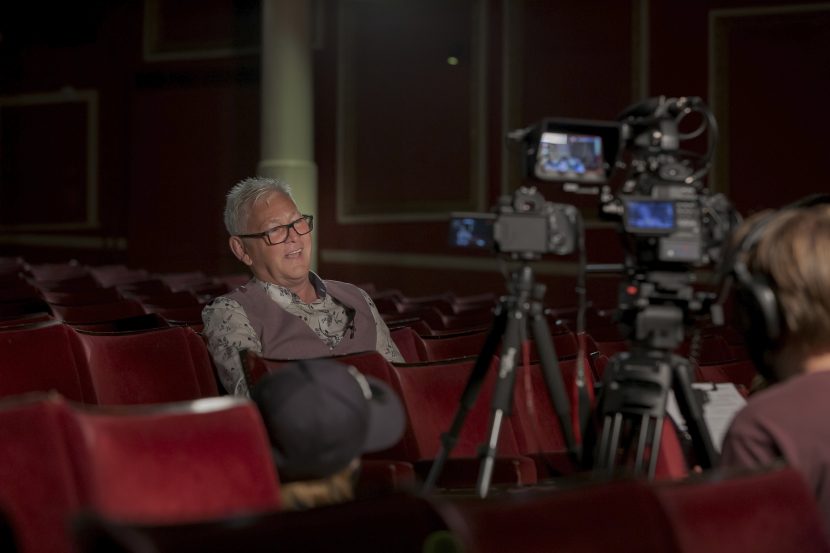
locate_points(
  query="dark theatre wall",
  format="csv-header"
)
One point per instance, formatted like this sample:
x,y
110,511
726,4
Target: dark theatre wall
x,y
123,123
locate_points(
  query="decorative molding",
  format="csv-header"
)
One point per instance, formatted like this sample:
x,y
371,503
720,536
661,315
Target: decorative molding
x,y
88,97
718,59
154,48
69,241
348,208
442,262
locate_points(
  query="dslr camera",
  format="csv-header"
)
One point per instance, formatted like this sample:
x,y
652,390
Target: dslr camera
x,y
522,225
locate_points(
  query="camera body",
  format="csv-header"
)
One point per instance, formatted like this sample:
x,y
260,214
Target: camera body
x,y
667,216
523,225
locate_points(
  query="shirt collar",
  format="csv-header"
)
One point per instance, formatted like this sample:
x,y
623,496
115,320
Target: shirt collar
x,y
278,292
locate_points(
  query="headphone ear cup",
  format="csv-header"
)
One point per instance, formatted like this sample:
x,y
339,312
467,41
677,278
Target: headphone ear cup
x,y
760,320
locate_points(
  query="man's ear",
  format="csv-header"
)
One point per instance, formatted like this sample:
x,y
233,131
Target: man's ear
x,y
238,249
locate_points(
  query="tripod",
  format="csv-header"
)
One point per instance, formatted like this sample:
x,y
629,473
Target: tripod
x,y
521,305
635,392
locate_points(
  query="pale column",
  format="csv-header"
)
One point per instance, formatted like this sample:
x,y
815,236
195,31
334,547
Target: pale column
x,y
287,124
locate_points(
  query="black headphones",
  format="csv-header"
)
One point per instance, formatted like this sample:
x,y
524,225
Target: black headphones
x,y
761,317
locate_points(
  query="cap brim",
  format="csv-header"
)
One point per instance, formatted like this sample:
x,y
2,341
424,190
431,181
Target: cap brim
x,y
387,419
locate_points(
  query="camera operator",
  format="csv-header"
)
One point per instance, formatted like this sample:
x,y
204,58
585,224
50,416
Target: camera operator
x,y
781,268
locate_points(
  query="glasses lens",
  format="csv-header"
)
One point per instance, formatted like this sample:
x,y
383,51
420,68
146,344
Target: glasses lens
x,y
278,235
303,226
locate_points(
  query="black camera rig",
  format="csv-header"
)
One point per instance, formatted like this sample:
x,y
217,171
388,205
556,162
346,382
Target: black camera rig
x,y
670,225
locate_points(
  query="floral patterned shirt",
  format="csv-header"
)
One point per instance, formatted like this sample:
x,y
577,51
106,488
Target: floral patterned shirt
x,y
228,330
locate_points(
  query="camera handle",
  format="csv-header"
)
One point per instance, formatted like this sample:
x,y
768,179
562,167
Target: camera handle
x,y
524,301
633,406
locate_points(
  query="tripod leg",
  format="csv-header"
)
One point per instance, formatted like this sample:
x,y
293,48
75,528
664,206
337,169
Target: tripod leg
x,y
468,397
502,397
553,377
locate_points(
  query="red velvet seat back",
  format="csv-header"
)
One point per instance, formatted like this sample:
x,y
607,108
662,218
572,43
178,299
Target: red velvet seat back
x,y
172,463
467,344
409,343
431,394
169,364
620,517
43,357
98,312
763,512
37,489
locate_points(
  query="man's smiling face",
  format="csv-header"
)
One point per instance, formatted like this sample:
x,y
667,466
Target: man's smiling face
x,y
286,264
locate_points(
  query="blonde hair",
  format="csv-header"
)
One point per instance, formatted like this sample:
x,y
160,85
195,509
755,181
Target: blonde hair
x,y
305,494
793,254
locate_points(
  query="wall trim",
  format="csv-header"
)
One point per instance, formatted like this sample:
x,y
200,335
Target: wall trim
x,y
65,96
718,90
65,241
478,94
437,261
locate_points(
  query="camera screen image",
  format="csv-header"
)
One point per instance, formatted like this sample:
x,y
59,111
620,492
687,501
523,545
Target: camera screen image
x,y
570,156
650,216
473,231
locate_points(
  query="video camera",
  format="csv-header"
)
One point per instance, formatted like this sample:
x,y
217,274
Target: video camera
x,y
668,217
669,224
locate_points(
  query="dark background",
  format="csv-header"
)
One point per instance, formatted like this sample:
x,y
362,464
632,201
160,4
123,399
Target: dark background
x,y
124,123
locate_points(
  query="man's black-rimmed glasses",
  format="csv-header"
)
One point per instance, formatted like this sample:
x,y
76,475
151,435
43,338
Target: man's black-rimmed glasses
x,y
279,234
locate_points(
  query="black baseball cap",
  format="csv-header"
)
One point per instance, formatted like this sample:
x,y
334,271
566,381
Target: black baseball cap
x,y
321,414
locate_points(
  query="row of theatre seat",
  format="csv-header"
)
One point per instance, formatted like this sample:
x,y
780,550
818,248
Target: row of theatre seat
x,y
92,296
162,366
197,476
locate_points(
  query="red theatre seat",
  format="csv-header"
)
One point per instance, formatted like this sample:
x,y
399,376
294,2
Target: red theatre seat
x,y
398,523
620,517
99,312
41,357
37,488
762,512
175,462
431,394
169,364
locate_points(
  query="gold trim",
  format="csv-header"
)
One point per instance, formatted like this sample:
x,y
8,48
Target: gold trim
x,y
65,241
440,262
718,57
65,96
347,210
150,42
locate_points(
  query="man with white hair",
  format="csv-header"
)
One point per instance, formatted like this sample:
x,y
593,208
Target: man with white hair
x,y
285,311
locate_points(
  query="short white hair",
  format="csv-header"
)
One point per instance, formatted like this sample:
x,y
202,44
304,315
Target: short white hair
x,y
243,195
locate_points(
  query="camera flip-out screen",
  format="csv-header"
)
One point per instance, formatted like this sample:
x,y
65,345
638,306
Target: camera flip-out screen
x,y
650,216
570,150
472,230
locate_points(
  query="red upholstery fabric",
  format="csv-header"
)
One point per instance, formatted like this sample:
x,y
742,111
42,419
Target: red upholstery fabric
x,y
738,372
37,489
110,275
78,283
409,343
56,271
396,523
172,463
97,312
431,394
82,297
438,348
620,517
762,512
41,357
169,364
